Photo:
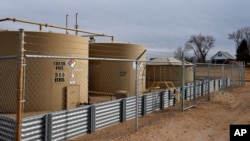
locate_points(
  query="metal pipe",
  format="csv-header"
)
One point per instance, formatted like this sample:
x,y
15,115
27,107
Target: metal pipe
x,y
20,88
40,27
67,24
189,107
138,58
76,23
57,27
81,58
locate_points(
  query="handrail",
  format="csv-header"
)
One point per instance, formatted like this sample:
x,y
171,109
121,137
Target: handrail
x,y
55,26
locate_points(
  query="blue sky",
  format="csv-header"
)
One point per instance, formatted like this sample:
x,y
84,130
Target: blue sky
x,y
160,25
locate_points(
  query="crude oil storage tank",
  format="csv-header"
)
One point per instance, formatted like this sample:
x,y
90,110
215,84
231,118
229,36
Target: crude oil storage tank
x,y
54,78
118,72
167,69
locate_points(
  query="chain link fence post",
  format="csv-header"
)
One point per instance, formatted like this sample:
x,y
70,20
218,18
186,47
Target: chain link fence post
x,y
136,93
243,74
208,81
239,73
20,88
244,71
183,82
194,79
222,75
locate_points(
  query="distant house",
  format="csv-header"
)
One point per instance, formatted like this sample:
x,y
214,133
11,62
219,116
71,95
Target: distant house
x,y
222,57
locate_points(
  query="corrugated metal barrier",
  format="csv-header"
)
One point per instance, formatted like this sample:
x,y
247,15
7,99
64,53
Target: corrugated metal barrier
x,y
33,128
7,129
74,122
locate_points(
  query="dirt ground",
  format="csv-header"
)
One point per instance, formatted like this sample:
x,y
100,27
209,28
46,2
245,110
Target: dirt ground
x,y
207,121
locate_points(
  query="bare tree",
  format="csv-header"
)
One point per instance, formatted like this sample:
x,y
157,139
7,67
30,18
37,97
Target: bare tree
x,y
239,35
178,53
200,45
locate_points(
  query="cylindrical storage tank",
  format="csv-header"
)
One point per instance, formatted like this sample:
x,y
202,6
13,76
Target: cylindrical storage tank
x,y
167,69
9,42
54,79
115,69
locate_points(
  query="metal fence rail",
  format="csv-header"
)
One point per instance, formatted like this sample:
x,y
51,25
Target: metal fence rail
x,y
74,122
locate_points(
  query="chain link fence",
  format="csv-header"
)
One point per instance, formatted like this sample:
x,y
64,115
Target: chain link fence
x,y
58,75
236,72
54,84
8,84
109,79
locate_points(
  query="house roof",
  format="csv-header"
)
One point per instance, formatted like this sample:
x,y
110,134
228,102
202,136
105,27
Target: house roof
x,y
167,61
225,54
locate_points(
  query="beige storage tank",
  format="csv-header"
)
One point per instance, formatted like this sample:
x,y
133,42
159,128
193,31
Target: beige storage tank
x,y
167,69
54,79
108,77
